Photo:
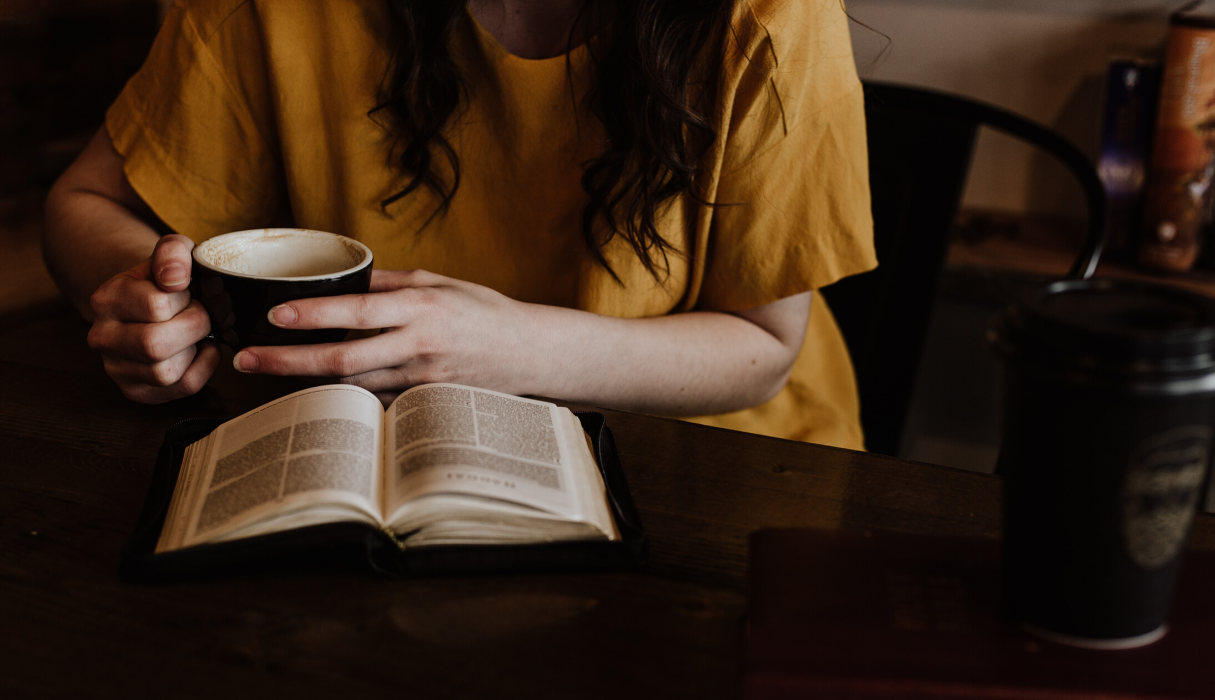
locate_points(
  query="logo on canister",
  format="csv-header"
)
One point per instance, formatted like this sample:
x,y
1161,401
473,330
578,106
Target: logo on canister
x,y
1160,492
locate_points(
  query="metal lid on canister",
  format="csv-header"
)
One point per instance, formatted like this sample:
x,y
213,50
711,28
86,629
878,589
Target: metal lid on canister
x,y
1194,14
1144,337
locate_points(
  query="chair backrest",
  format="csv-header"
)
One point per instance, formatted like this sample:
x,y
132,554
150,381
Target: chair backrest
x,y
920,145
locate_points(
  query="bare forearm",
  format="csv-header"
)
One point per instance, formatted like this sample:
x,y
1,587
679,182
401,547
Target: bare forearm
x,y
438,329
89,239
94,226
686,364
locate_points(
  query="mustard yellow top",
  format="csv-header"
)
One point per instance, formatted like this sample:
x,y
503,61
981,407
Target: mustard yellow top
x,y
251,113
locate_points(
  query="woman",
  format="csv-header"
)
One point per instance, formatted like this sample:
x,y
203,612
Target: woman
x,y
625,204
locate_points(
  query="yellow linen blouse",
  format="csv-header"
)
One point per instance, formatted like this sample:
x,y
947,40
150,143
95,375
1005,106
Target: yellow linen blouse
x,y
252,113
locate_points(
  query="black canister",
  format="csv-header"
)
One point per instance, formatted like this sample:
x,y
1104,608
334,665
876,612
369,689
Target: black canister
x,y
1109,408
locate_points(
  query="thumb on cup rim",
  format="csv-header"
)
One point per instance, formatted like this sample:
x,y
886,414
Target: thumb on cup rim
x,y
171,262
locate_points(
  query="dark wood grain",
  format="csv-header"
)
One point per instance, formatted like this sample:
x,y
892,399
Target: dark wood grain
x,y
76,459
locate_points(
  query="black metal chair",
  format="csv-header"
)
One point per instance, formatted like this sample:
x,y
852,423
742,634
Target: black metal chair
x,y
920,146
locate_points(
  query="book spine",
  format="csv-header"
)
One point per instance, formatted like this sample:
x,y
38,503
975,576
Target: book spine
x,y
1131,89
1180,176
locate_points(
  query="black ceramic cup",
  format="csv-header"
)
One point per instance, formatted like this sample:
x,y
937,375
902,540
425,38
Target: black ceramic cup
x,y
238,277
1108,412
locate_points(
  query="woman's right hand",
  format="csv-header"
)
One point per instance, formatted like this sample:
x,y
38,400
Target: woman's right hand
x,y
148,330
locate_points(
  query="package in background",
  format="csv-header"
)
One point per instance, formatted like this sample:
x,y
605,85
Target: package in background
x,y
1132,87
1180,176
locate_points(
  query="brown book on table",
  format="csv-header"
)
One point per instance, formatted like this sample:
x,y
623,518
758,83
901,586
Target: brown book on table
x,y
884,615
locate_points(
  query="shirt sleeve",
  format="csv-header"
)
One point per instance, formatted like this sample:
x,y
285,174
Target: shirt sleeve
x,y
195,125
792,210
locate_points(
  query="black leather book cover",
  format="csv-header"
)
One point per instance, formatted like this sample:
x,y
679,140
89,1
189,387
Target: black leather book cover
x,y
359,544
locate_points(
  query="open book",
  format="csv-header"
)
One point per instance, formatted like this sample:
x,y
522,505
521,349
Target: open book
x,y
443,465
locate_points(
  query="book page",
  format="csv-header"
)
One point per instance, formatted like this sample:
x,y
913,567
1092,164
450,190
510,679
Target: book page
x,y
457,519
316,446
446,438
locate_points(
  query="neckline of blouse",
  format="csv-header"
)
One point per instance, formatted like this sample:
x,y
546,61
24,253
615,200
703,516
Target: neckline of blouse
x,y
491,41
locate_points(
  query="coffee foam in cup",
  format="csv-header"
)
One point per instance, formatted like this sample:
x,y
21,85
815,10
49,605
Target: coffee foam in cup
x,y
281,253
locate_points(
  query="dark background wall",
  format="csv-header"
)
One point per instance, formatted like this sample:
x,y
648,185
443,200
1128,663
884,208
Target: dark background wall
x,y
61,64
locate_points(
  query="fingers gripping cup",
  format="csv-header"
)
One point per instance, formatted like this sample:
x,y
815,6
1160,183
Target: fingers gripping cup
x,y
238,277
1109,410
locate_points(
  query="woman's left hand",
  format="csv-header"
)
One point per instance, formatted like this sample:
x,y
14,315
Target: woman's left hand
x,y
438,329
434,329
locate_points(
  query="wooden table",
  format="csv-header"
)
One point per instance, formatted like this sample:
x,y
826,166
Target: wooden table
x,y
991,257
75,461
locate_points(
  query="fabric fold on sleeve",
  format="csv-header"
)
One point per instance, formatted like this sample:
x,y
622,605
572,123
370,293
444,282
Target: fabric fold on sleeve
x,y
191,146
793,209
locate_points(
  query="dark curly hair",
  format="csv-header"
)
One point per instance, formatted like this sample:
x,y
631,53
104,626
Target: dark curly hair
x,y
651,92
